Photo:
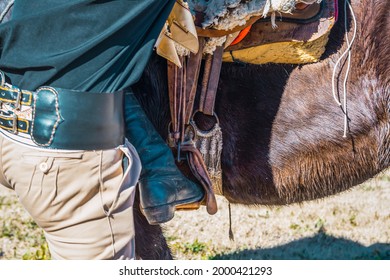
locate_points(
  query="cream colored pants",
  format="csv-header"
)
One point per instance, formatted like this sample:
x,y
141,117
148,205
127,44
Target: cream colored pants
x,y
83,200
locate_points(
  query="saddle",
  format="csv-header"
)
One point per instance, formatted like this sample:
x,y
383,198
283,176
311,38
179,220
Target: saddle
x,y
299,38
297,35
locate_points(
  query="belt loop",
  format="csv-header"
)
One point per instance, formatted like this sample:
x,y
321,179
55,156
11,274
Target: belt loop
x,y
18,100
2,84
2,76
15,123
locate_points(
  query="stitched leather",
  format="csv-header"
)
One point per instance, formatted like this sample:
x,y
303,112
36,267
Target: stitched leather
x,y
9,95
66,119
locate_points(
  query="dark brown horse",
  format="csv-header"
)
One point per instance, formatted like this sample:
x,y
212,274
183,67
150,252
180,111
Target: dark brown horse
x,y
282,129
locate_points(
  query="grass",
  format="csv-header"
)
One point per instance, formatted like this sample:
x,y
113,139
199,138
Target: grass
x,y
20,236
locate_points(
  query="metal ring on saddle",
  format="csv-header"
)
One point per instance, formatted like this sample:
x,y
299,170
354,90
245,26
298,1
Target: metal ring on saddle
x,y
210,144
200,132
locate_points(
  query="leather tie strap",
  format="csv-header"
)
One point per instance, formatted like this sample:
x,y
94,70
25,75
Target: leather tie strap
x,y
199,169
210,81
192,74
175,89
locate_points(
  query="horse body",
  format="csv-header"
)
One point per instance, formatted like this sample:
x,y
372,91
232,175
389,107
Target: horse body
x,y
283,130
291,146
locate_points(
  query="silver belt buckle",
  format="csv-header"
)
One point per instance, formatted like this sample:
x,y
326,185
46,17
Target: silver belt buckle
x,y
11,114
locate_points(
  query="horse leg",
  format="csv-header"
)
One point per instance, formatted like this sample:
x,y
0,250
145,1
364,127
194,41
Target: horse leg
x,y
150,243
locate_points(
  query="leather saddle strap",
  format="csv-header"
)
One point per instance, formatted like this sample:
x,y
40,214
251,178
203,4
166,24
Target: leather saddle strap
x,y
193,69
199,169
182,87
175,89
210,81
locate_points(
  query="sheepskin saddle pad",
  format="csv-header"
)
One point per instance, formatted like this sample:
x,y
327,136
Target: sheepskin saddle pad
x,y
227,14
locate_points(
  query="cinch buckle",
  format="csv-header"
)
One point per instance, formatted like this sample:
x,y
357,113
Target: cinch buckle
x,y
18,101
14,116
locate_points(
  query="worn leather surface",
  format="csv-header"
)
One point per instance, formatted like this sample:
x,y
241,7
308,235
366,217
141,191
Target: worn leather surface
x,y
93,120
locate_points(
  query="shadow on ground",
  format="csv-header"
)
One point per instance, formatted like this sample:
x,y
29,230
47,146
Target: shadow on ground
x,y
318,247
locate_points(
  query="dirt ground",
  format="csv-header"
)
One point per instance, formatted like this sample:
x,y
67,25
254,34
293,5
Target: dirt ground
x,y
351,225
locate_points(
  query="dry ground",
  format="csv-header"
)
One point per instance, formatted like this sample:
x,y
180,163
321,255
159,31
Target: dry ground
x,y
351,225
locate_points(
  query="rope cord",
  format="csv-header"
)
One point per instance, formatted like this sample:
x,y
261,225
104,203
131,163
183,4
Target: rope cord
x,y
348,52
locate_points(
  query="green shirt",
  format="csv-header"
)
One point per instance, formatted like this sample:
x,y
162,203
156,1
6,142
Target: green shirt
x,y
98,46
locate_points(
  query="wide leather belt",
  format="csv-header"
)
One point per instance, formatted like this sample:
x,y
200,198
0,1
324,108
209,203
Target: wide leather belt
x,y
65,119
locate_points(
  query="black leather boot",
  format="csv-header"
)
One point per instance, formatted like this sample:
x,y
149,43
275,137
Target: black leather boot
x,y
162,186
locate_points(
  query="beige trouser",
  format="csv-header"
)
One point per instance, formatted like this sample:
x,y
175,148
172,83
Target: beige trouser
x,y
83,200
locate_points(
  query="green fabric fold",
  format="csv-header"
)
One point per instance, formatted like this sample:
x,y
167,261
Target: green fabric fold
x,y
99,46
